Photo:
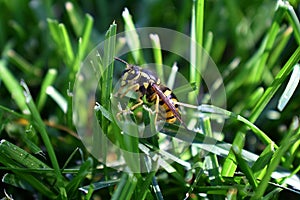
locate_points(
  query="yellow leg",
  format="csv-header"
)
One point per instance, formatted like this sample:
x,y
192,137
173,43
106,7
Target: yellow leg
x,y
121,94
140,102
156,108
127,111
121,111
131,88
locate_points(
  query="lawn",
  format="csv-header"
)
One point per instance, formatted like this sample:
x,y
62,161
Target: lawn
x,y
216,83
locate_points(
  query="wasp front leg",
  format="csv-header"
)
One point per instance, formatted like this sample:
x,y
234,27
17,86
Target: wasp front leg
x,y
129,110
139,103
122,94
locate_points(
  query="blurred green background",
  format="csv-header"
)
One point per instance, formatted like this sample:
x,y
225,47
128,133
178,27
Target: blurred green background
x,y
238,29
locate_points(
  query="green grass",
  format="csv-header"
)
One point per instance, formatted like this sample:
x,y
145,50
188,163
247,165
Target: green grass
x,y
255,46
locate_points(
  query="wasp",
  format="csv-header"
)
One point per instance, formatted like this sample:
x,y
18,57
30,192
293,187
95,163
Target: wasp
x,y
146,83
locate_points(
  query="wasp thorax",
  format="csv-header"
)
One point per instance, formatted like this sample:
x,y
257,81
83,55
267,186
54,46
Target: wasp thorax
x,y
138,79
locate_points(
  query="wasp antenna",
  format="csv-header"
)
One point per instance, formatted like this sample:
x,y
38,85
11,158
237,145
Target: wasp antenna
x,y
122,61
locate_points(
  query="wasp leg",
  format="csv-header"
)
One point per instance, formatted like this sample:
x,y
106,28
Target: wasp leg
x,y
129,111
134,87
140,102
121,111
156,108
121,94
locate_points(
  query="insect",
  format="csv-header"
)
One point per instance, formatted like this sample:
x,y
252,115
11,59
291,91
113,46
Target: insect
x,y
146,83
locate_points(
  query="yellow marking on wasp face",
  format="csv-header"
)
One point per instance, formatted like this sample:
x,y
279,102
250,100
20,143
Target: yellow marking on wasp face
x,y
125,76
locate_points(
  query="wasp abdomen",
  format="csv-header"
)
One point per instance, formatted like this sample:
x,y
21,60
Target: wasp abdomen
x,y
170,97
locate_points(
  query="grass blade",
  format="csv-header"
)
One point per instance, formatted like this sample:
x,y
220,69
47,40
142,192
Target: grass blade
x,y
157,56
48,80
245,168
132,37
293,19
290,88
23,64
40,127
125,187
84,170
229,165
196,47
288,141
58,98
13,156
271,36
13,87
279,79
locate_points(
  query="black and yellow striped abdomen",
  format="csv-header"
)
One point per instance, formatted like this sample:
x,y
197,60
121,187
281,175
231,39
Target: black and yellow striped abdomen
x,y
167,111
